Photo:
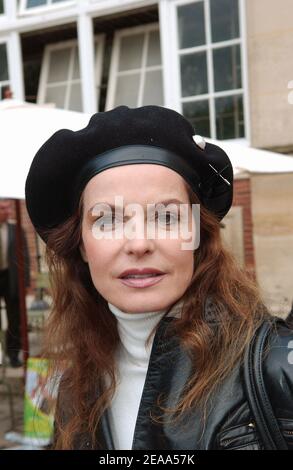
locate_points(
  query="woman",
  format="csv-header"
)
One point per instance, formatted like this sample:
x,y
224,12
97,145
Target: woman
x,y
150,331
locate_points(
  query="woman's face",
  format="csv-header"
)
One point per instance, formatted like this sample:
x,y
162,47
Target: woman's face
x,y
139,184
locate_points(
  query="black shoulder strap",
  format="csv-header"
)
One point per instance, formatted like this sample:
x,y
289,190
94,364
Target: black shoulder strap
x,y
257,396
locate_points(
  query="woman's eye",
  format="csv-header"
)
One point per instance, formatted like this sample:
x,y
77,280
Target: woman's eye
x,y
109,221
106,221
168,218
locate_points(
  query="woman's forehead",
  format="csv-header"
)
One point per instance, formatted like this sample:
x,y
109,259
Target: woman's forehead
x,y
138,180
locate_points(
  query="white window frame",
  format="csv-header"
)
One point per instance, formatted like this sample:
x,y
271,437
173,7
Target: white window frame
x,y
114,64
212,95
10,11
24,10
71,44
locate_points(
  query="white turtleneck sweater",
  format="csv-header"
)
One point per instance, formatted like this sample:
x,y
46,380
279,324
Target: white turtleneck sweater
x,y
132,360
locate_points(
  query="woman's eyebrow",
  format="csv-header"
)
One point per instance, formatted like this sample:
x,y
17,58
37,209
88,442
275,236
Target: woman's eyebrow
x,y
113,207
104,203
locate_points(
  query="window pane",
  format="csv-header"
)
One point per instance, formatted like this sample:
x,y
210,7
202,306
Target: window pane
x,y
59,65
225,19
56,95
154,50
75,101
227,68
76,71
3,63
191,27
38,3
35,3
1,7
127,90
32,70
194,74
229,117
131,52
153,88
198,114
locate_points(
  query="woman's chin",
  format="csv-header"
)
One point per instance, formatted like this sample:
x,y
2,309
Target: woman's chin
x,y
140,307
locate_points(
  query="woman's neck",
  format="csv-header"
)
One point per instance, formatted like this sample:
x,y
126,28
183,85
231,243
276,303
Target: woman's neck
x,y
134,329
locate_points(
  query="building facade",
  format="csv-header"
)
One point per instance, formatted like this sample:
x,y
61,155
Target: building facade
x,y
225,64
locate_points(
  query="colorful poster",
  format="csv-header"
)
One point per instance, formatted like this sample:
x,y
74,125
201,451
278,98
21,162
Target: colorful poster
x,y
40,398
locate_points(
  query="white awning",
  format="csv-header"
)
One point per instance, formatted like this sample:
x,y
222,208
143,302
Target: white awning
x,y
24,127
252,160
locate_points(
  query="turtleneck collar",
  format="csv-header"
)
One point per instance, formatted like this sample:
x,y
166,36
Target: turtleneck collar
x,y
134,329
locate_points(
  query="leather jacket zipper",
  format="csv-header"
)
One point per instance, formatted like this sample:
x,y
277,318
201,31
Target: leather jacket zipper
x,y
228,441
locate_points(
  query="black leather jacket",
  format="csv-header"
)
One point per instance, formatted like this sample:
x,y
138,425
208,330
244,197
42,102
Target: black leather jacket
x,y
229,423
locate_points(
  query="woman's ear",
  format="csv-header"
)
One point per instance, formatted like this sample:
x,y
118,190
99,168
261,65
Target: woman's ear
x,y
82,252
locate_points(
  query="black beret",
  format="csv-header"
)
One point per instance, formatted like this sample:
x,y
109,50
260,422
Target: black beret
x,y
66,162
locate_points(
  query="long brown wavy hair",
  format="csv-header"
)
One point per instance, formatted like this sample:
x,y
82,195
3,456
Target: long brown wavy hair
x,y
81,334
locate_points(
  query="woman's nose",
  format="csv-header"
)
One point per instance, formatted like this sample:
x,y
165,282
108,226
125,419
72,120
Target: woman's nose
x,y
139,246
137,237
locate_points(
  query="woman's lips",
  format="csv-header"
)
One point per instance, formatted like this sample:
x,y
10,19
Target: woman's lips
x,y
142,282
